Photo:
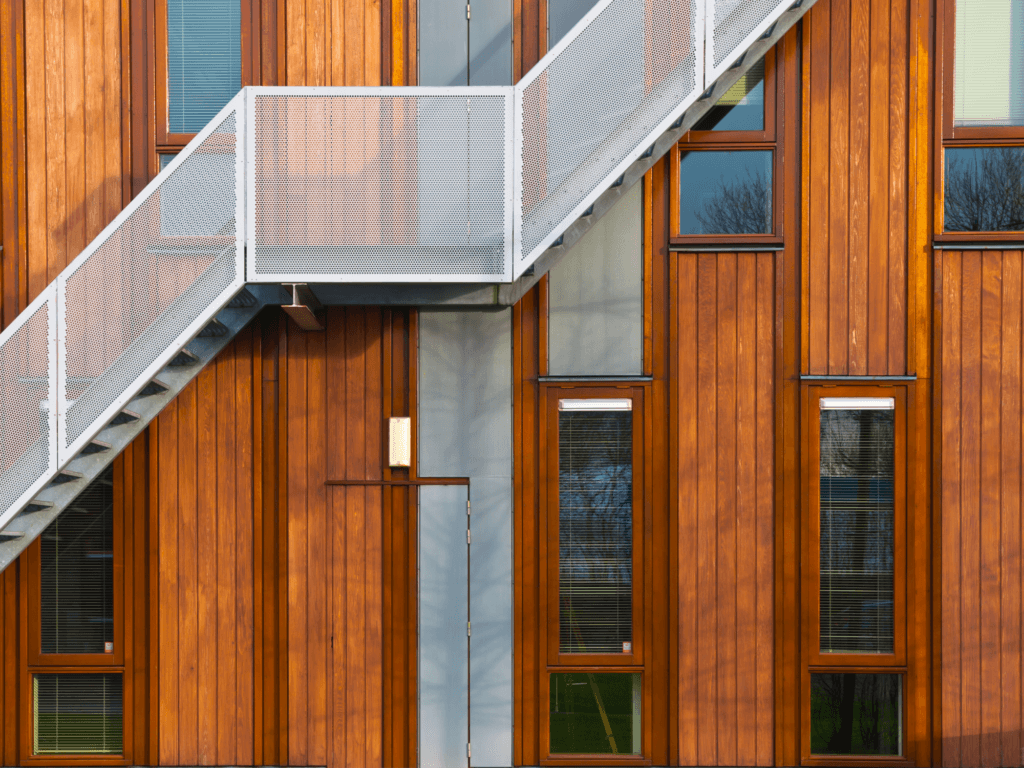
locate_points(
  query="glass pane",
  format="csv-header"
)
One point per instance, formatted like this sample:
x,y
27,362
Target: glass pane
x,y
77,573
725,193
165,160
856,714
595,531
204,60
742,106
857,520
984,189
76,714
988,84
595,713
563,15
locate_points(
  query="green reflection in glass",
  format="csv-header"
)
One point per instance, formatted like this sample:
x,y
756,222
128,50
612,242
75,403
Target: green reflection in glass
x,y
595,713
856,714
741,108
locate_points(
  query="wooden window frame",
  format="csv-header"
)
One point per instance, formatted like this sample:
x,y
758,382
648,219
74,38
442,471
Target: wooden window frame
x,y
952,137
72,663
736,141
814,661
640,660
168,143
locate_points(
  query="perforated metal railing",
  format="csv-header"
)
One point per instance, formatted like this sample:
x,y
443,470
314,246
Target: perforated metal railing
x,y
351,185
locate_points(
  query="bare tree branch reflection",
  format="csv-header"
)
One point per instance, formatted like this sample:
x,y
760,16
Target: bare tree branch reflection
x,y
742,207
984,189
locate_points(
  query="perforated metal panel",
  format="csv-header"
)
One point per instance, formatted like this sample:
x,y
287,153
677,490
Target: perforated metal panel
x,y
593,105
151,280
28,404
380,184
733,25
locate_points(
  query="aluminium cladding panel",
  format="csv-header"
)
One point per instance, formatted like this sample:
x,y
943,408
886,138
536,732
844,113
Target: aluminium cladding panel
x,y
594,104
406,185
28,404
595,297
465,430
443,684
151,281
733,26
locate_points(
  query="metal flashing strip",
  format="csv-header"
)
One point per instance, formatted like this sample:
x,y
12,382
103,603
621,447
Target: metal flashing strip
x,y
988,245
726,248
857,379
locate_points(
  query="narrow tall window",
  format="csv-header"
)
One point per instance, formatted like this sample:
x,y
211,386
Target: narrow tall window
x,y
989,63
595,526
856,527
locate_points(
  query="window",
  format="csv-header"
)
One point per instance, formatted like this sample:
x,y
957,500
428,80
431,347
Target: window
x,y
982,164
76,659
200,66
856,638
724,169
464,45
595,640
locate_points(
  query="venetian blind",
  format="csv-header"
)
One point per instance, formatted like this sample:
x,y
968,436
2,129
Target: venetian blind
x,y
204,60
857,525
77,714
77,573
595,526
988,83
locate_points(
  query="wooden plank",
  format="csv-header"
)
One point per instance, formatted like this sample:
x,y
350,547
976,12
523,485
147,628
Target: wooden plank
x,y
74,127
817,180
878,182
897,252
298,564
857,286
725,507
375,448
746,466
358,462
707,540
1009,494
295,44
188,587
167,588
839,191
93,203
209,650
970,531
112,47
316,42
765,461
226,513
317,551
339,535
989,511
373,659
355,627
951,373
56,180
247,479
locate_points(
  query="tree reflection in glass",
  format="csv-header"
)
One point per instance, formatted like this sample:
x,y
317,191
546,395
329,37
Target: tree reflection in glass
x,y
725,193
984,189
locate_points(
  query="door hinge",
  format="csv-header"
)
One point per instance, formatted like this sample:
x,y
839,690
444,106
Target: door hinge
x,y
469,507
469,536
467,11
469,749
469,629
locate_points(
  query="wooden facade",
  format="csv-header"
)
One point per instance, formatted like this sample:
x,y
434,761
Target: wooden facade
x,y
269,555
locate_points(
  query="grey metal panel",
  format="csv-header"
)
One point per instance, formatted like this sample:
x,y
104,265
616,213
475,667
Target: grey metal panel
x,y
595,298
563,16
444,42
443,641
490,43
465,430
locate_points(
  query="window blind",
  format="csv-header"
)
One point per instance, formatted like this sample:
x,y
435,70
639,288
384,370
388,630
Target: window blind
x,y
204,60
77,573
77,714
857,529
595,529
988,80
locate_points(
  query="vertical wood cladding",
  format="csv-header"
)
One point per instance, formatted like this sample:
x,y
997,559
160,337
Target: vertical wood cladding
x,y
982,301
855,198
725,321
333,42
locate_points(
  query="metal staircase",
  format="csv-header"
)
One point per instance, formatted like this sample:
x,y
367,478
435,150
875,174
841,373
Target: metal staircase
x,y
410,186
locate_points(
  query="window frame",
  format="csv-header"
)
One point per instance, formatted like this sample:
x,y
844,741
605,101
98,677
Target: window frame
x,y
814,661
950,136
70,663
168,143
736,141
640,660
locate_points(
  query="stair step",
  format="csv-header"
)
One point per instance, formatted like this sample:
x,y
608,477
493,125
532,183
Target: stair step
x,y
124,417
37,506
96,446
242,300
11,536
214,329
155,387
184,357
66,476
